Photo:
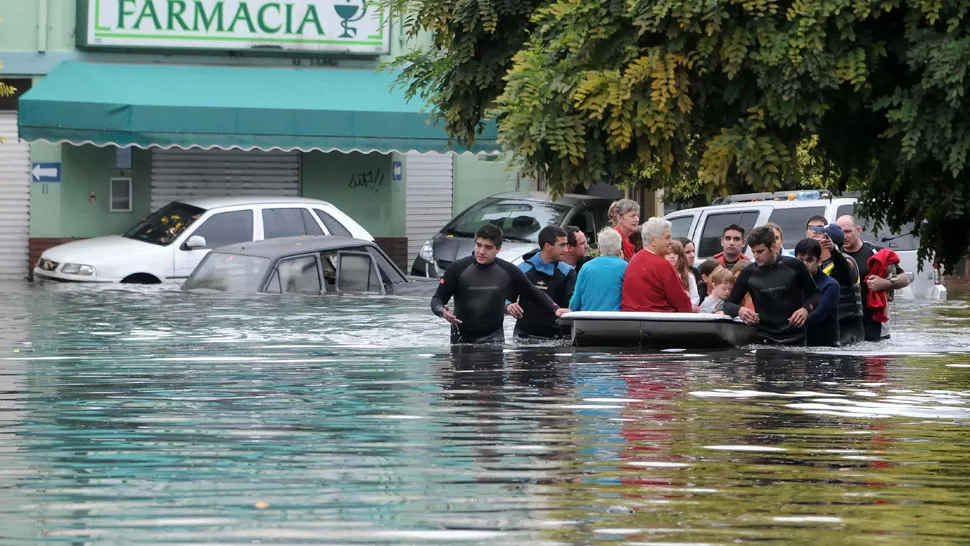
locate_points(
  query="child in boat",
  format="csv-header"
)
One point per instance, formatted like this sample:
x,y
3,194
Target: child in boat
x,y
706,268
736,270
721,282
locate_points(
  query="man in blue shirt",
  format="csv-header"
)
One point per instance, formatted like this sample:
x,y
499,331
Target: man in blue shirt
x,y
599,286
823,321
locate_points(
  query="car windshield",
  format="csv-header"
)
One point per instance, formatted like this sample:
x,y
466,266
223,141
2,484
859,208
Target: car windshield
x,y
519,219
164,225
228,273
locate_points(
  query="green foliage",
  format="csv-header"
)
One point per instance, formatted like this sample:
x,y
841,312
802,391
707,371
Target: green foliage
x,y
473,42
718,96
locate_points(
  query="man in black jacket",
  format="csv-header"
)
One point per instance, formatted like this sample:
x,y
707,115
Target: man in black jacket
x,y
551,275
576,248
843,269
781,288
480,284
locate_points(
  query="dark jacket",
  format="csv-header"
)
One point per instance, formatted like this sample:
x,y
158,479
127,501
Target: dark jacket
x,y
843,269
823,320
558,281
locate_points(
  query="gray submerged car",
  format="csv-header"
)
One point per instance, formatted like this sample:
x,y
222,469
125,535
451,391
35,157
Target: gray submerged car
x,y
521,215
305,265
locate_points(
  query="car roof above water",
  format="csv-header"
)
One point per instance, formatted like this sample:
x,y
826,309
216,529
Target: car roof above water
x,y
792,204
567,199
288,246
218,202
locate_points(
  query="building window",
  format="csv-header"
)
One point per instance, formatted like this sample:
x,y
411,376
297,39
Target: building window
x,y
120,195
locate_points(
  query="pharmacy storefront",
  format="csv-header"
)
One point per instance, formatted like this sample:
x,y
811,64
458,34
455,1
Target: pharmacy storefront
x,y
241,97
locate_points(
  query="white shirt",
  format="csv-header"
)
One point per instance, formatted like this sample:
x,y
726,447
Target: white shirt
x,y
695,298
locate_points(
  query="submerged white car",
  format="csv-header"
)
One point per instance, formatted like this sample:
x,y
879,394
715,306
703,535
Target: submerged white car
x,y
169,243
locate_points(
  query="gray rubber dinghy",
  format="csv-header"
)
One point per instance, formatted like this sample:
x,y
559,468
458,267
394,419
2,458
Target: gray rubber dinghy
x,y
658,330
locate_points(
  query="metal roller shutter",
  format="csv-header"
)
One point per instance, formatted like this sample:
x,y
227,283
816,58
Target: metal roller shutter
x,y
223,173
14,200
429,197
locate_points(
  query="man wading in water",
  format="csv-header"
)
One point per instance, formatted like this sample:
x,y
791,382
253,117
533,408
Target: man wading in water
x,y
480,284
545,269
861,251
781,288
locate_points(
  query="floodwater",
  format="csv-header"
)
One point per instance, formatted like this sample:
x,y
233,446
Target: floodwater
x,y
145,415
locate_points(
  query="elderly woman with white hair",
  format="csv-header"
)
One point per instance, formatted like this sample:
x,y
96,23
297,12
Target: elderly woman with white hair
x,y
651,284
600,281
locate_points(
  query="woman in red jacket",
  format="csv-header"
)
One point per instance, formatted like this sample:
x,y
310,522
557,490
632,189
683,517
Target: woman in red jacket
x,y
625,217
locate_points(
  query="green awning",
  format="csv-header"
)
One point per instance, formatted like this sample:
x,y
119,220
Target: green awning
x,y
226,107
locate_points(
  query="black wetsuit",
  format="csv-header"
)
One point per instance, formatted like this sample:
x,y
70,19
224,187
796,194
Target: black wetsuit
x,y
777,290
844,270
480,292
558,281
873,328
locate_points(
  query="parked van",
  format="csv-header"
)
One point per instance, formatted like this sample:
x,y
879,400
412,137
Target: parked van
x,y
791,211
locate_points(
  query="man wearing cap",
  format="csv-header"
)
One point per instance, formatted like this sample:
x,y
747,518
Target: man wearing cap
x,y
845,271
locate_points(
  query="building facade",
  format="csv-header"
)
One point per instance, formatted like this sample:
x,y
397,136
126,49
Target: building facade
x,y
125,105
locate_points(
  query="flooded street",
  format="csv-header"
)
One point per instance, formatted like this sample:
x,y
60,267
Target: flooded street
x,y
145,415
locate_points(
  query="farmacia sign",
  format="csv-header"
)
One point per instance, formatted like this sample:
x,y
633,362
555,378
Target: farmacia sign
x,y
335,26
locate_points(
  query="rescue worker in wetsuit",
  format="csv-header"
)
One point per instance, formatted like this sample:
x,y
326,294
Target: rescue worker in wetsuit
x,y
823,321
554,277
732,241
480,284
781,288
843,269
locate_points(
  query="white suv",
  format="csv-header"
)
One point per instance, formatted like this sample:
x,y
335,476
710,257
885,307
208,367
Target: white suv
x,y
170,242
791,210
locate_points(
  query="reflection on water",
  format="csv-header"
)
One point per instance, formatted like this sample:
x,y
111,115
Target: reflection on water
x,y
146,415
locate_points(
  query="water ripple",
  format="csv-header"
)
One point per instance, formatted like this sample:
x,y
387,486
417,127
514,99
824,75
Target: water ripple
x,y
142,415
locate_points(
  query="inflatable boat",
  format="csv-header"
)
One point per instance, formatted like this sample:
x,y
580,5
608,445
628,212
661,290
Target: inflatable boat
x,y
658,330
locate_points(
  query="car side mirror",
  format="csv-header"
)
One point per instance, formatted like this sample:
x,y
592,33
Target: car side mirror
x,y
195,242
